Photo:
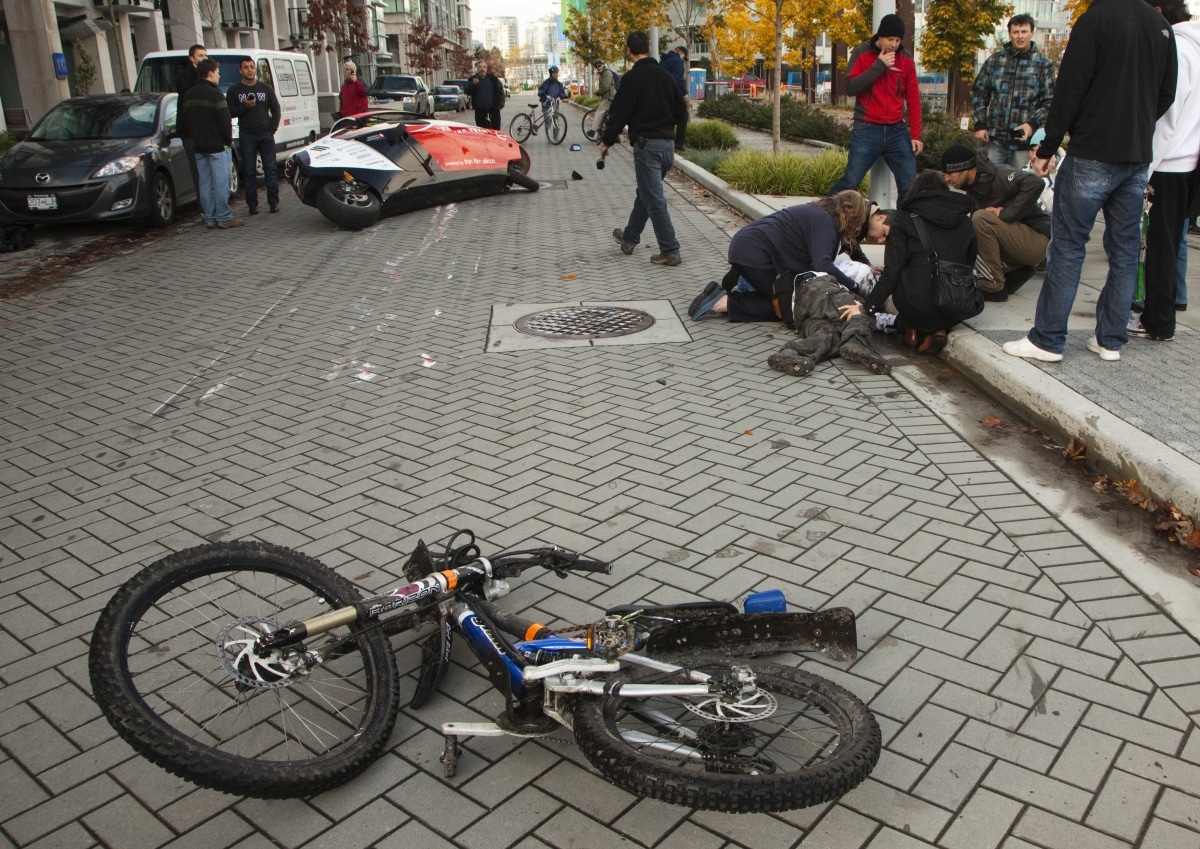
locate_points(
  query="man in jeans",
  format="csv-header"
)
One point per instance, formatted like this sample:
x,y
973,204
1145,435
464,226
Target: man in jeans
x,y
204,117
1011,95
1117,77
650,103
883,80
257,110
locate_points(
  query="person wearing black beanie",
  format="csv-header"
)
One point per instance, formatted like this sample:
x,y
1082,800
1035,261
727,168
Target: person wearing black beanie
x,y
883,80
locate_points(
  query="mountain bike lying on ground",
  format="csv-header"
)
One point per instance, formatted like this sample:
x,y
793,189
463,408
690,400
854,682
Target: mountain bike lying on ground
x,y
256,670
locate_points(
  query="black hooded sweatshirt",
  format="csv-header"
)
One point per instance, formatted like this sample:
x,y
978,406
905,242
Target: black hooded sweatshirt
x,y
907,275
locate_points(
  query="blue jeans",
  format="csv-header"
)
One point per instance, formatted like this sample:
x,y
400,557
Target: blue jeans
x,y
651,162
1083,188
868,142
214,186
251,148
999,154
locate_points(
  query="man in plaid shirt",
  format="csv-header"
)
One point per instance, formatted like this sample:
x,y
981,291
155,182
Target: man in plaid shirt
x,y
1011,95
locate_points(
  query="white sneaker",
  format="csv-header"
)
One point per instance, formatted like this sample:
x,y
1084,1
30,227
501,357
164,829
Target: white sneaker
x,y
1106,354
1028,350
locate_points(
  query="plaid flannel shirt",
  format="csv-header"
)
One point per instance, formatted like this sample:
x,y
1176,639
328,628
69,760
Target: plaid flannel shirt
x,y
1012,88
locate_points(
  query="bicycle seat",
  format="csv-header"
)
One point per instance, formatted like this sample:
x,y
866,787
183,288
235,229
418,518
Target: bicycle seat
x,y
534,105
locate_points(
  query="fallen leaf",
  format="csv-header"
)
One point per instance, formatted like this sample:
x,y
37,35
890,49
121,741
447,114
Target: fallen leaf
x,y
1195,570
1192,540
991,421
748,432
1075,449
571,276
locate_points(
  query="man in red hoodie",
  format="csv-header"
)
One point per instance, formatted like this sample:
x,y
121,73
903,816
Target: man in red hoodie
x,y
883,80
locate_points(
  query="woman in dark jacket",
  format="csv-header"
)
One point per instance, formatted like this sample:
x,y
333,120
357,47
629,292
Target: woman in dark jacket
x,y
907,275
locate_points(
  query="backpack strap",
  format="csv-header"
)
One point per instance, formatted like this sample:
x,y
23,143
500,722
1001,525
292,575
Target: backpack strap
x,y
923,235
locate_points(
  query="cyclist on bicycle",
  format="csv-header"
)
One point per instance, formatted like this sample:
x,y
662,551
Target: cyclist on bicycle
x,y
551,88
606,87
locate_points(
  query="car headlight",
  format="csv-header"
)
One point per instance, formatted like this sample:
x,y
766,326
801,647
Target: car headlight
x,y
119,166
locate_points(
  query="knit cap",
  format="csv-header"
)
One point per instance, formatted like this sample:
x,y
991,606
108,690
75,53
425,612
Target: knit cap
x,y
892,26
958,157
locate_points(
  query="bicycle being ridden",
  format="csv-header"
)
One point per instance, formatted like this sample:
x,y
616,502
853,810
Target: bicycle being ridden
x,y
595,120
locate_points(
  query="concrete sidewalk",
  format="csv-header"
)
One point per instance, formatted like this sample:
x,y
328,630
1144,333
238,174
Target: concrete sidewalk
x,y
1139,417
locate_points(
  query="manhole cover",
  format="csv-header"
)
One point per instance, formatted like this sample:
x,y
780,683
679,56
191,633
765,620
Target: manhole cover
x,y
585,322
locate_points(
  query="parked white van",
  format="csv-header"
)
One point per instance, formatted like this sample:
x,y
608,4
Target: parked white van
x,y
290,74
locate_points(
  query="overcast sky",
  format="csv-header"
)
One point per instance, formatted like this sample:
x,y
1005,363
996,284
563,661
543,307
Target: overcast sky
x,y
525,11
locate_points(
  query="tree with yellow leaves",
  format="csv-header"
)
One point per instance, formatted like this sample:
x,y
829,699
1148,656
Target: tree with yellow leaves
x,y
955,32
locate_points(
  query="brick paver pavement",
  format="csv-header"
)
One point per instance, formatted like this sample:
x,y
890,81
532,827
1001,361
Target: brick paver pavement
x,y
209,387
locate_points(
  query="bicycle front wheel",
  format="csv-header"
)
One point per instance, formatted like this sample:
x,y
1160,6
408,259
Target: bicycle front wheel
x,y
589,126
558,128
521,127
174,670
793,740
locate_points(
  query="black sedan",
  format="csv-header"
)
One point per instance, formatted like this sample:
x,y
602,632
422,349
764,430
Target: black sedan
x,y
99,158
451,96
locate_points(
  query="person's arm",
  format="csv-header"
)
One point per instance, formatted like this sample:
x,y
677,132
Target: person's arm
x,y
236,108
618,116
1074,79
981,95
276,110
866,70
1166,86
895,258
1045,94
912,90
1029,189
224,121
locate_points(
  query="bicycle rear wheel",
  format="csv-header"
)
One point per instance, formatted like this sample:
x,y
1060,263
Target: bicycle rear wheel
x,y
794,740
174,670
590,131
521,127
558,128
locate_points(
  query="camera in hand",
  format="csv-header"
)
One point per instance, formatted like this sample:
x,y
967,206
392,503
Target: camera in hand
x,y
600,164
1017,134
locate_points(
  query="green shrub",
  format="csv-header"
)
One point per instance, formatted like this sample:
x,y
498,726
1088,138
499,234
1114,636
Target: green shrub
x,y
587,101
797,120
710,134
759,173
709,160
939,131
7,140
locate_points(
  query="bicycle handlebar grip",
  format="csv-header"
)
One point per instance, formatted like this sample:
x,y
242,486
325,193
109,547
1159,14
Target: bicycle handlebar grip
x,y
583,564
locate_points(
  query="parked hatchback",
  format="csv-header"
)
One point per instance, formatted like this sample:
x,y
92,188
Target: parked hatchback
x,y
450,96
98,158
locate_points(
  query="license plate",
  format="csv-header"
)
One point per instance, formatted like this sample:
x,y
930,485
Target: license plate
x,y
42,201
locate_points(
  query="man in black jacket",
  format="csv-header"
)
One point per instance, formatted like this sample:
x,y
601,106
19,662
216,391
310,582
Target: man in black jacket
x,y
257,110
650,103
204,117
487,93
1010,224
1117,77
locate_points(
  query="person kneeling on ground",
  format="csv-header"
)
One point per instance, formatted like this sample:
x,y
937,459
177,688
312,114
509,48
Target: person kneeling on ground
x,y
1012,228
907,272
768,253
830,322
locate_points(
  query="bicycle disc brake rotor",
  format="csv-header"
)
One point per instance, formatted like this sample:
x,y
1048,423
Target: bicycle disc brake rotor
x,y
741,707
235,650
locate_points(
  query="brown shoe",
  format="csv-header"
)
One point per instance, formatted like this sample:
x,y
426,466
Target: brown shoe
x,y
225,225
666,259
933,343
626,247
911,338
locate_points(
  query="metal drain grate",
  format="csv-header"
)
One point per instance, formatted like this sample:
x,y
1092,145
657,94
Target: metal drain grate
x,y
585,322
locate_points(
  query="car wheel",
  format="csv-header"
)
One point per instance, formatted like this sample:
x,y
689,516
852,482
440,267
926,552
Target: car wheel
x,y
162,201
235,170
350,205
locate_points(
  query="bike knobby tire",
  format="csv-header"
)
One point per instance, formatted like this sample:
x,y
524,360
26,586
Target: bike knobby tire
x,y
800,740
173,669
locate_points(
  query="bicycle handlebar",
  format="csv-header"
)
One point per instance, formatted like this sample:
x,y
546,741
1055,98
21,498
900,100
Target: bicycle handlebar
x,y
560,560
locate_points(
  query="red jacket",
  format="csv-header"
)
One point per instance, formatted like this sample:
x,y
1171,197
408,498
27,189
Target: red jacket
x,y
353,97
881,92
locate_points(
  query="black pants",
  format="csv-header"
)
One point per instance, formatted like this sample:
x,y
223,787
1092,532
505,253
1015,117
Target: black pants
x,y
487,118
1167,216
756,305
251,148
